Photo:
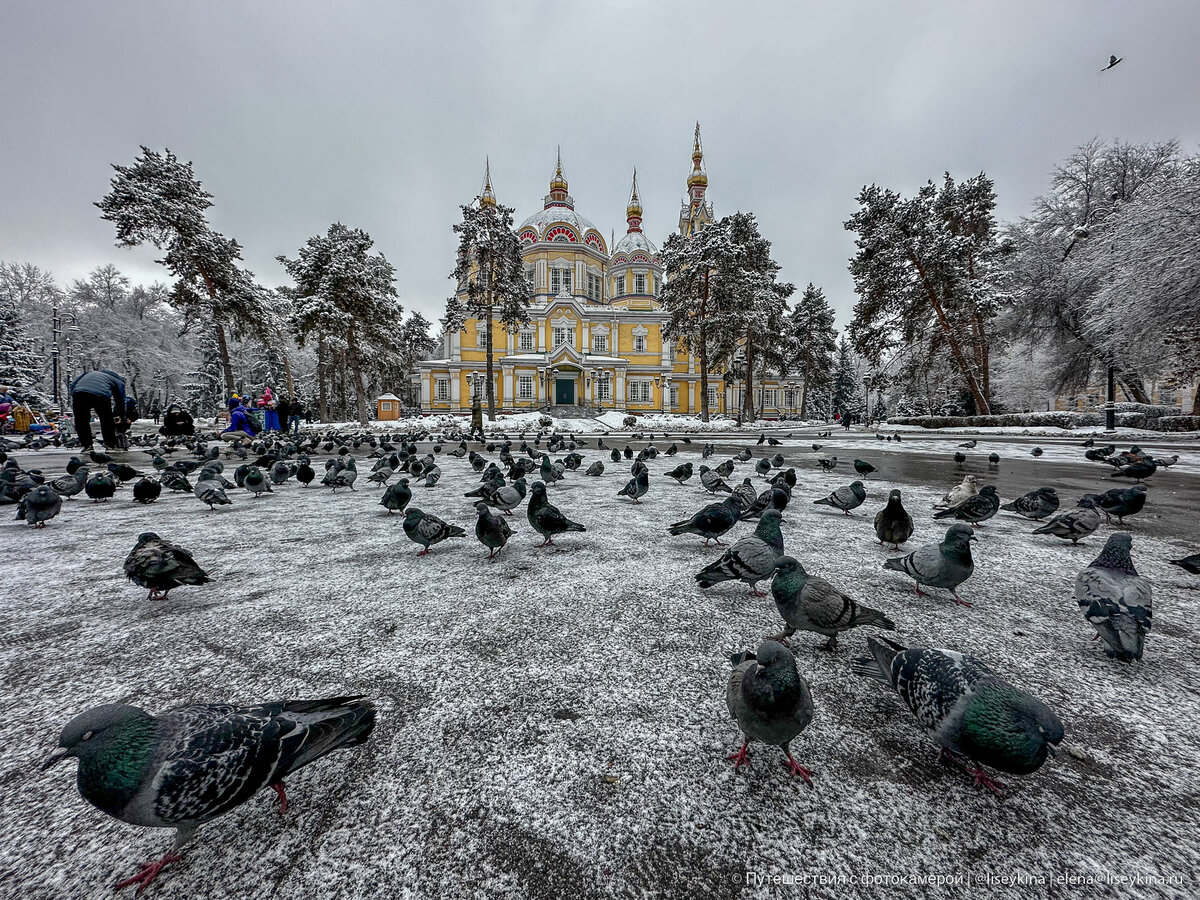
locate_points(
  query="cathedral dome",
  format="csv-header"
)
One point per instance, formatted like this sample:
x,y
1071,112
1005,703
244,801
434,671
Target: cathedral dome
x,y
558,221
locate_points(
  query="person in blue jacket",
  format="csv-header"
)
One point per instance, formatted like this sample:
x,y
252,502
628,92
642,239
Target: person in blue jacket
x,y
101,392
240,425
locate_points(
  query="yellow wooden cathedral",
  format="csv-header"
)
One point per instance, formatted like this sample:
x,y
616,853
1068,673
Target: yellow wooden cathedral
x,y
594,340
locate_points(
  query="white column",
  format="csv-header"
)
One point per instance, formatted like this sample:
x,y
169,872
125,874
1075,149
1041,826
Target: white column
x,y
619,391
508,385
455,392
456,346
426,389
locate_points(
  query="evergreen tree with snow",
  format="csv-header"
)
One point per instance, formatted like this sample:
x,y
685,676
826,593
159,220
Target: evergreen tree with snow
x,y
490,274
158,200
345,296
416,344
846,398
202,386
20,361
813,345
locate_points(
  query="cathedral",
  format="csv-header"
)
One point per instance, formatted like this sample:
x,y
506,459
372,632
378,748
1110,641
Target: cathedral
x,y
594,340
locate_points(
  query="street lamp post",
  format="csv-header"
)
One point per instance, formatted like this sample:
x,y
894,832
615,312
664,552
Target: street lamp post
x,y
1110,407
867,399
56,330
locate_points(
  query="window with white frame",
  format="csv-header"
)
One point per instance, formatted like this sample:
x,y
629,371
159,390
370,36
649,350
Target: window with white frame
x,y
712,398
525,342
768,401
640,390
639,343
564,336
600,343
595,286
639,284
675,396
618,285
530,273
441,389
525,387
560,280
604,389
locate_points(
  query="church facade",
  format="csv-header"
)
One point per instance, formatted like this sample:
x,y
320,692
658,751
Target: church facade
x,y
594,340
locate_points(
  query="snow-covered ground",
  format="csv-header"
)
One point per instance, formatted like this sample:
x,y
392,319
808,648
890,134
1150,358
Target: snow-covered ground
x,y
613,420
553,724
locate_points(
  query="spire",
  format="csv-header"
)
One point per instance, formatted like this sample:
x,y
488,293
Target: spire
x,y
633,211
696,212
558,195
487,197
697,178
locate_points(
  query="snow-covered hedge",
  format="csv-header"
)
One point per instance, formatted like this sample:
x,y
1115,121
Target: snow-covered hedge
x,y
1129,415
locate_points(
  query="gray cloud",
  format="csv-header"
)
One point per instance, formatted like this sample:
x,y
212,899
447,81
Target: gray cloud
x,y
380,115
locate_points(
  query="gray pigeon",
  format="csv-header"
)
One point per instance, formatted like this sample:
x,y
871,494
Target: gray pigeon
x,y
546,518
100,486
596,468
159,566
713,482
256,482
763,467
745,494
960,492
346,476
493,532
893,524
945,565
1036,505
509,497
845,498
681,472
809,603
975,716
208,490
1115,599
280,472
427,529
193,763
771,702
39,506
975,509
637,487
396,496
1074,524
711,522
750,559
69,485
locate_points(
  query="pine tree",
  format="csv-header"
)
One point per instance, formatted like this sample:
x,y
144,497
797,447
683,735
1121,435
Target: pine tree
x,y
490,275
346,297
701,276
159,201
20,363
203,385
416,343
929,265
813,342
846,399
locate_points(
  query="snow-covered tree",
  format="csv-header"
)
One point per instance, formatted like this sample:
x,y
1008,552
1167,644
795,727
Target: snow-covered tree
x,y
20,361
27,296
345,296
416,344
813,342
159,201
701,274
929,266
846,397
490,275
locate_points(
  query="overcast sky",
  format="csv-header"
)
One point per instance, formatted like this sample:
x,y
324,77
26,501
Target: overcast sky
x,y
379,115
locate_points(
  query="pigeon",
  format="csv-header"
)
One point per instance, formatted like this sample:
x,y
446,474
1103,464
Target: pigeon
x,y
944,565
280,472
725,469
99,458
637,487
1122,502
681,473
100,486
745,494
968,487
750,559
508,497
893,524
71,484
546,519
1115,599
770,701
862,467
1036,452
713,482
1036,505
39,506
974,510
970,445
427,529
123,471
174,480
256,482
396,496
492,531
774,496
1074,524
975,717
209,490
763,467
432,476
159,566
845,498
1138,470
1188,563
146,490
809,603
346,476
993,459
711,522
596,468
305,473
193,763
1113,59
827,464
960,457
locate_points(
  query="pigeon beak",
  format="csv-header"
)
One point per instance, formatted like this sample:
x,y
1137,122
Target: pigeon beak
x,y
56,757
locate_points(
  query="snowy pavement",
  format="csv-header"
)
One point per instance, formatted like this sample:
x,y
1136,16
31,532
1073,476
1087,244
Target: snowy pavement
x,y
554,723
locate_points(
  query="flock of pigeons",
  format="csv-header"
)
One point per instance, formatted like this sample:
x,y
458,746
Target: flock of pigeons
x,y
193,763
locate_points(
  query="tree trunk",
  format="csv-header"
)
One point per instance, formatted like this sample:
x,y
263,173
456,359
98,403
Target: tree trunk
x,y
287,364
956,351
748,394
360,391
1131,384
804,390
491,384
322,380
704,411
226,365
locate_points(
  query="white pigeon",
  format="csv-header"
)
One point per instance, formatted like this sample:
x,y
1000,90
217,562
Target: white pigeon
x,y
968,487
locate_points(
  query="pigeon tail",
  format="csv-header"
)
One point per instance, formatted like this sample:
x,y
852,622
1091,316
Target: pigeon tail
x,y
868,616
896,564
330,725
879,664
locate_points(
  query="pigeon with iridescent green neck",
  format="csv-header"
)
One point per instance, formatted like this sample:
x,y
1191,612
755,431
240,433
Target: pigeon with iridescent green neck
x,y
750,559
770,700
945,565
194,763
976,717
809,603
1115,599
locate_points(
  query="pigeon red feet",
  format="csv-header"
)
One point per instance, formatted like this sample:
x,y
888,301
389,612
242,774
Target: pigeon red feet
x,y
796,769
741,758
982,779
546,543
148,872
755,592
278,787
959,600
423,552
